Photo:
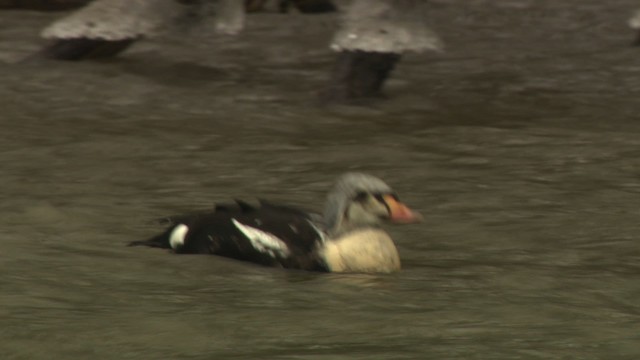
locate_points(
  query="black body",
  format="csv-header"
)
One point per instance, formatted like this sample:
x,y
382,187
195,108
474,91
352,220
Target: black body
x,y
214,232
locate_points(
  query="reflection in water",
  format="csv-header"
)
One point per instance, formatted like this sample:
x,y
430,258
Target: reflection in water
x,y
518,145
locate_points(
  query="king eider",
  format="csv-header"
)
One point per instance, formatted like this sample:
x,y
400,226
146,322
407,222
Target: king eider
x,y
346,238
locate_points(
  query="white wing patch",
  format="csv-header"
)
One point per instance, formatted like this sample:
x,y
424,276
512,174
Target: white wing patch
x,y
176,239
263,241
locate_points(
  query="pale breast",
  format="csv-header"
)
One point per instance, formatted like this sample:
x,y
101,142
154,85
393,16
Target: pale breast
x,y
369,250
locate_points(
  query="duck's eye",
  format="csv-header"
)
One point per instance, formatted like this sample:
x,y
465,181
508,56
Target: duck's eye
x,y
361,196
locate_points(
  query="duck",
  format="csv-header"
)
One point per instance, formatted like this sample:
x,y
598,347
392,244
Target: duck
x,y
346,237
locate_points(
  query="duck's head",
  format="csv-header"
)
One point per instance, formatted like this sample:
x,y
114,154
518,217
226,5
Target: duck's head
x,y
359,201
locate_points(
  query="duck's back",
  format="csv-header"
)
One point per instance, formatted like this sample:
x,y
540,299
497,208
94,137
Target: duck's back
x,y
268,234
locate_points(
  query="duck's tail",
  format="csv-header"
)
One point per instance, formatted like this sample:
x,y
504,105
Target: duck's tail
x,y
158,241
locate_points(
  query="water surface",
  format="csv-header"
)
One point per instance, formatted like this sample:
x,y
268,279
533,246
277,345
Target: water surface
x,y
519,144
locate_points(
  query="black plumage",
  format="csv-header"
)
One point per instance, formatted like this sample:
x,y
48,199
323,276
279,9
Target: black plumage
x,y
214,232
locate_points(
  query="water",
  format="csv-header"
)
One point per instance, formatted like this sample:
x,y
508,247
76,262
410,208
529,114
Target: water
x,y
519,144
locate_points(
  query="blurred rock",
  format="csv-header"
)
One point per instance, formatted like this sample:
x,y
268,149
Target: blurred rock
x,y
230,16
105,28
42,5
386,26
634,23
308,6
283,6
359,74
255,5
114,20
371,40
83,49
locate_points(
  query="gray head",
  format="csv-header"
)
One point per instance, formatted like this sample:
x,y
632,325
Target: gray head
x,y
359,200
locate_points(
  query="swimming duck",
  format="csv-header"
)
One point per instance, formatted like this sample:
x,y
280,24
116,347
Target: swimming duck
x,y
346,238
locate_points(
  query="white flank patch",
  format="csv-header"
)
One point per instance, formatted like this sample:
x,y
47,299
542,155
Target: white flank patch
x,y
176,239
263,241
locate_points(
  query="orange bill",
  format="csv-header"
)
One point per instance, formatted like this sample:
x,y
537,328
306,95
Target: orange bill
x,y
400,213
